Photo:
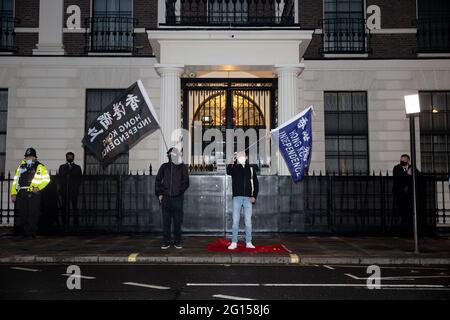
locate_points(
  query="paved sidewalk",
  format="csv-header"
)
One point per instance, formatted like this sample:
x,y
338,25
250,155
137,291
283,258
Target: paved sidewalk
x,y
140,248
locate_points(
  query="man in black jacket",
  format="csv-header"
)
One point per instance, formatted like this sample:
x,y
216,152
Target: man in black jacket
x,y
402,192
171,182
69,185
245,190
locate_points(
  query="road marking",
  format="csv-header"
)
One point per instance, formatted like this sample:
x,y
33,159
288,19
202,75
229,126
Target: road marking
x,y
396,278
294,258
385,267
146,285
350,285
25,269
223,284
328,267
132,257
78,276
312,285
223,296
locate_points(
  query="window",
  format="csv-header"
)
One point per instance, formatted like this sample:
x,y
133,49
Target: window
x,y
3,119
435,131
344,27
433,26
346,132
112,26
7,25
228,11
97,101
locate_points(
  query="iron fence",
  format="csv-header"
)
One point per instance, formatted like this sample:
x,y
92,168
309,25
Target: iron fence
x,y
345,35
110,34
230,13
7,33
319,204
433,35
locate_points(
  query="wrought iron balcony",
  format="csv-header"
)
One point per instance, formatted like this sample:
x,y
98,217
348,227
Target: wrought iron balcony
x,y
7,33
345,35
110,34
244,13
433,35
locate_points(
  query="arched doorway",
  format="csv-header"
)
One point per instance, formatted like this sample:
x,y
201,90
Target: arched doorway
x,y
228,104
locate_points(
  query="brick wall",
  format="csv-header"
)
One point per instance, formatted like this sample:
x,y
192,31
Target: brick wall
x,y
146,11
85,8
26,42
27,11
313,49
398,46
395,14
310,12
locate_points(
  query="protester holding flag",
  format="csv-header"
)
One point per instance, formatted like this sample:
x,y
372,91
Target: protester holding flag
x,y
171,182
245,190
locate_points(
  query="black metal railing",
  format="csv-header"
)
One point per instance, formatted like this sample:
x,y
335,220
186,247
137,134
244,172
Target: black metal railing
x,y
318,204
110,34
230,12
7,33
345,35
433,35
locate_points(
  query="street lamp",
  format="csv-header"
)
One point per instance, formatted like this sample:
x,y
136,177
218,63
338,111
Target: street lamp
x,y
412,106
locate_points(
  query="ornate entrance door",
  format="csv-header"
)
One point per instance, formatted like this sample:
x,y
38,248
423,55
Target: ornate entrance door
x,y
223,104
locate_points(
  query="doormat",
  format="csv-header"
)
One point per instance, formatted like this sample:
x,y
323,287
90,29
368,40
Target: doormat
x,y
221,245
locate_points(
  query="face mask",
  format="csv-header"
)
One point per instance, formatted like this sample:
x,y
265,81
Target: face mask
x,y
29,162
241,160
69,160
403,163
176,159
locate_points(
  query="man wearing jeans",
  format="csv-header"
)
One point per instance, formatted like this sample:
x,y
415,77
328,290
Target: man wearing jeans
x,y
245,191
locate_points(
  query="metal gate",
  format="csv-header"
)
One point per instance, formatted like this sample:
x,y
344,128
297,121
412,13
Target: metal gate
x,y
223,104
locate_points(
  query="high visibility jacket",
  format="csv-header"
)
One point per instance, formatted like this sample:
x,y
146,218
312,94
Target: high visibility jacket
x,y
40,179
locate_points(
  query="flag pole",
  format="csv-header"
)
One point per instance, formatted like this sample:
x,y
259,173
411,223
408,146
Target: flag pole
x,y
164,139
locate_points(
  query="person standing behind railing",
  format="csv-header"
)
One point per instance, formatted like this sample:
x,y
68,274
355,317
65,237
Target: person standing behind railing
x,y
402,192
68,188
30,179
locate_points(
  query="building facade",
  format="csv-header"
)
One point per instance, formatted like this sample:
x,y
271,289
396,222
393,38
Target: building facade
x,y
228,64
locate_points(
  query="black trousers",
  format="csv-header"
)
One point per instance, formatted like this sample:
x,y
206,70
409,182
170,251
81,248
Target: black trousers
x,y
29,208
69,208
404,208
172,211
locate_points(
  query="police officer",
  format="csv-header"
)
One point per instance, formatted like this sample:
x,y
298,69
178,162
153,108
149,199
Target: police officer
x,y
30,179
69,185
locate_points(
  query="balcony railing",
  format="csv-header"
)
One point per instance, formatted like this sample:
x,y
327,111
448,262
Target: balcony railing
x,y
433,35
110,34
245,13
345,35
7,34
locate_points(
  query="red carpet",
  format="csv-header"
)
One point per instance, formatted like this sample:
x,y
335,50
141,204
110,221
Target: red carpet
x,y
221,245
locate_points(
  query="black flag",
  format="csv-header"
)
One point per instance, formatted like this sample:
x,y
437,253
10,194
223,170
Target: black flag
x,y
124,122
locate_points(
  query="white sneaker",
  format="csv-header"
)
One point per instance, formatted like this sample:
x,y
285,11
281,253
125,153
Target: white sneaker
x,y
232,246
249,245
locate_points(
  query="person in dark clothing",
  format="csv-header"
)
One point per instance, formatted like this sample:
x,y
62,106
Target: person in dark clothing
x,y
245,190
402,192
171,182
69,185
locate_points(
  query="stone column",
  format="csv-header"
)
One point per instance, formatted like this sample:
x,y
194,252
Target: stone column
x,y
170,104
50,28
287,100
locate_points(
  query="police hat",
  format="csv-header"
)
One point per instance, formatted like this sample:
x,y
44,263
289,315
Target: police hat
x,y
30,153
